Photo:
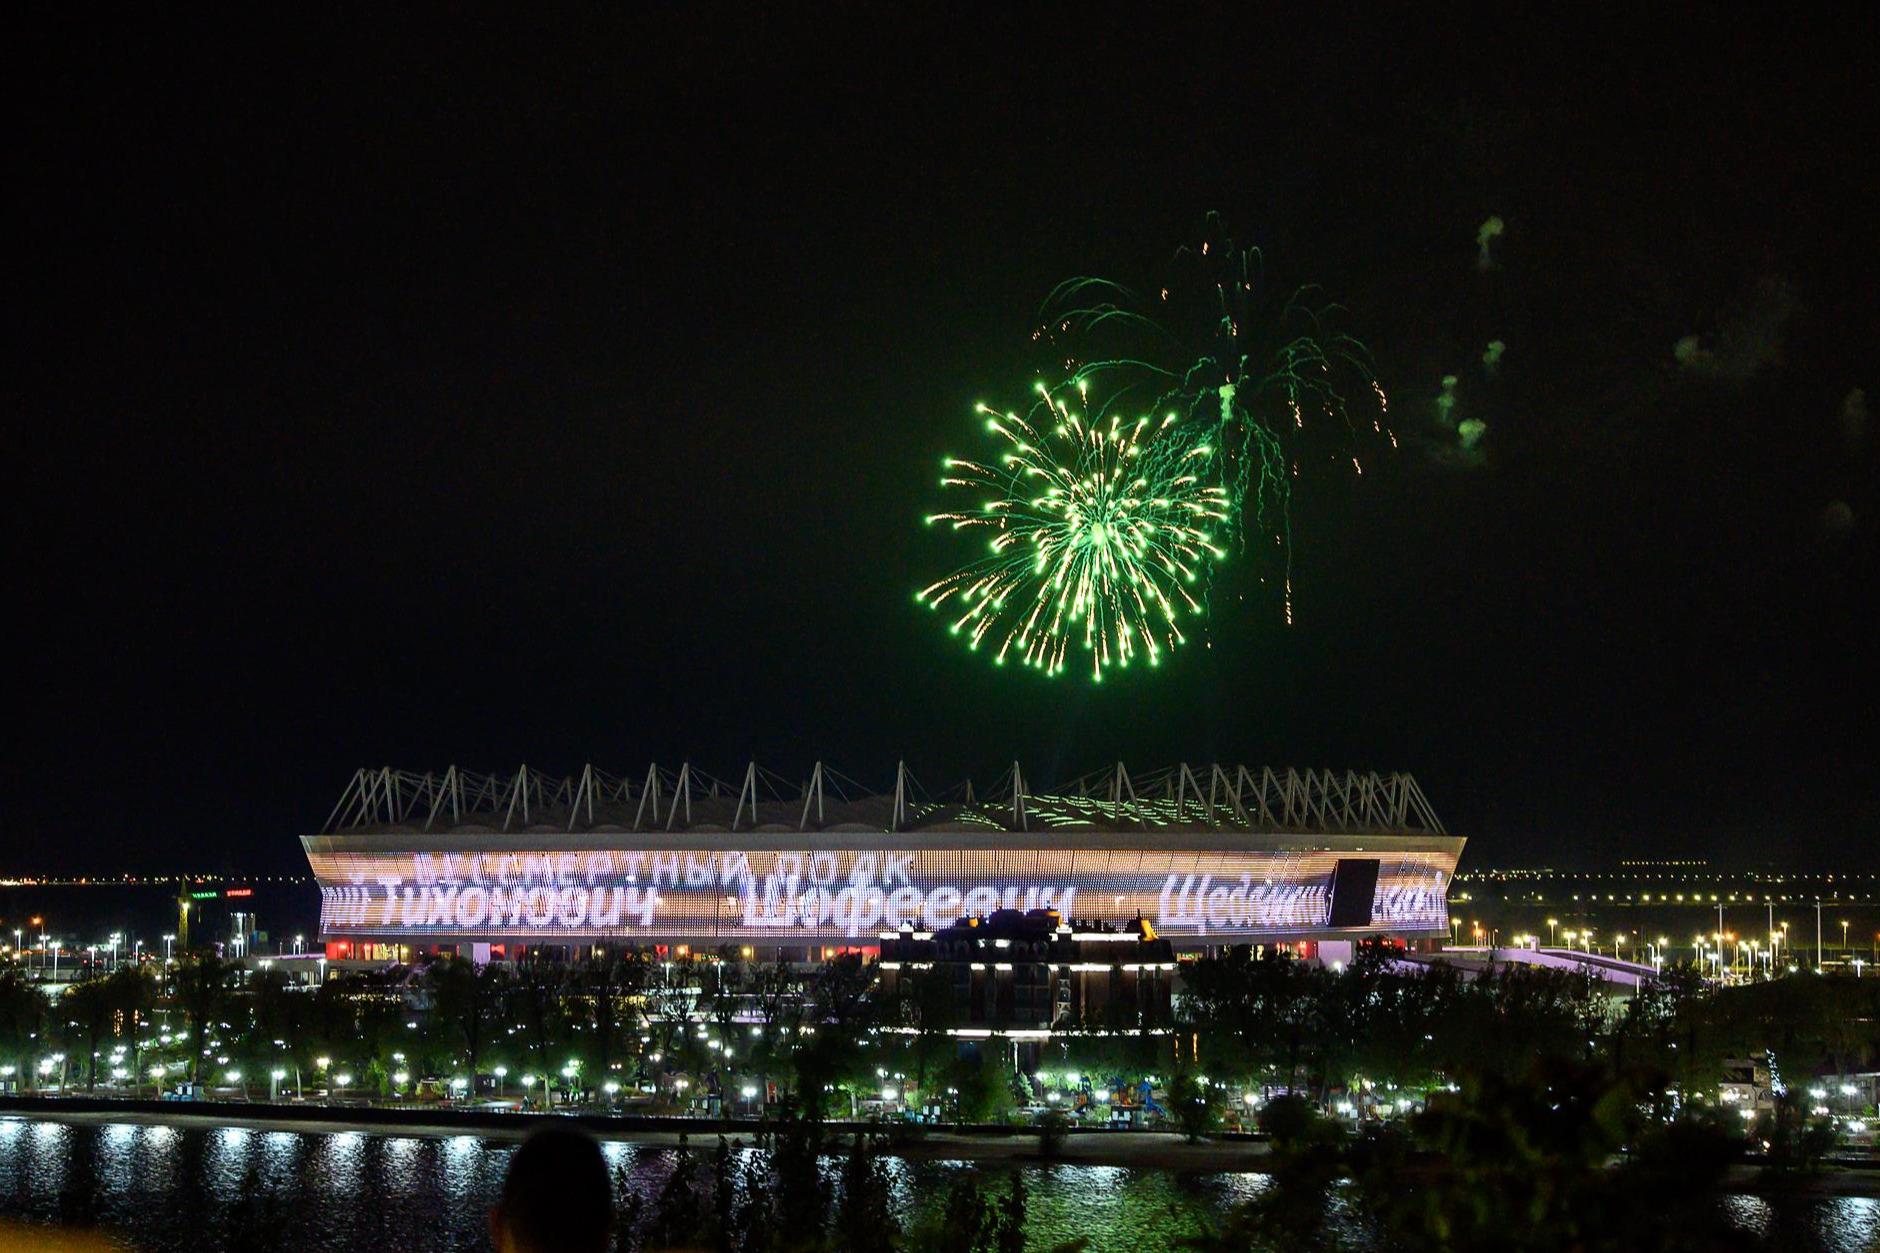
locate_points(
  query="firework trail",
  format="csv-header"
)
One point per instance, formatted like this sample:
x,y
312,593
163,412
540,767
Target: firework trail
x,y
1270,385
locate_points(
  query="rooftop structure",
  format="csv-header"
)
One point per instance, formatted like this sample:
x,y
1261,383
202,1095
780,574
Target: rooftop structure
x,y
1174,798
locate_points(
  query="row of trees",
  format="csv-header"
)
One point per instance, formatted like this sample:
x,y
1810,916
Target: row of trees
x,y
829,1034
1284,1023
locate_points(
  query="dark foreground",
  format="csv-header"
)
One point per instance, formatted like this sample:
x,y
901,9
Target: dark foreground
x,y
163,1180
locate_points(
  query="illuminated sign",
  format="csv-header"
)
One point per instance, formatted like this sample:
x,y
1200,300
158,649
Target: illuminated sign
x,y
239,892
792,896
203,896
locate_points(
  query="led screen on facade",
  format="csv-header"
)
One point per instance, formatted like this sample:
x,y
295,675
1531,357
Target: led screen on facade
x,y
848,890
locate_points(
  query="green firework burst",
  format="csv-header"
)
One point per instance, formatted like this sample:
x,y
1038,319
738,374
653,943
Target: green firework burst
x,y
1100,527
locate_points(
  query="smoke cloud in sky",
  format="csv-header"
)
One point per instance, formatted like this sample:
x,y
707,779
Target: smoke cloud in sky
x,y
1854,418
1749,334
1485,235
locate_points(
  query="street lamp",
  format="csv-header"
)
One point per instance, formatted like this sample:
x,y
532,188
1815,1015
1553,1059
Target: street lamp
x,y
1551,938
501,1072
168,940
274,1080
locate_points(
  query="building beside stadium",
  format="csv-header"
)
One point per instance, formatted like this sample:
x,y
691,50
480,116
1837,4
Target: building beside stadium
x,y
490,864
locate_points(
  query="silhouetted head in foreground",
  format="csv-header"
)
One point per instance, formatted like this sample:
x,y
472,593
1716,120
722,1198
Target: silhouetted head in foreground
x,y
557,1198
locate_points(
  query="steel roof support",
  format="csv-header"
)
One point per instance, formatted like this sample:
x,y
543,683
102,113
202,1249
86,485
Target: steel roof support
x,y
813,795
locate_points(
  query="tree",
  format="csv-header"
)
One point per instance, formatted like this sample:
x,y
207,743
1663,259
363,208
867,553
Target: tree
x,y
88,1011
927,1004
22,1018
865,1217
1192,1103
279,1019
984,1085
534,1002
201,989
678,1219
777,998
131,993
607,981
466,998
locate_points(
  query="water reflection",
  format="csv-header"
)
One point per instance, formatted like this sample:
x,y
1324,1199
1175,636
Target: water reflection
x,y
164,1190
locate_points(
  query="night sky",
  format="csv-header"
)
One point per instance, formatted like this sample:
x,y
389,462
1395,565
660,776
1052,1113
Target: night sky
x,y
392,389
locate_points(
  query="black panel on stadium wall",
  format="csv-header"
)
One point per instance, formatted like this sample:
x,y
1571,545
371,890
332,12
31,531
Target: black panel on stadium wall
x,y
1354,887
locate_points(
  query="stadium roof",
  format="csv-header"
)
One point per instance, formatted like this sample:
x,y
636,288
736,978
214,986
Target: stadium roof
x,y
1174,800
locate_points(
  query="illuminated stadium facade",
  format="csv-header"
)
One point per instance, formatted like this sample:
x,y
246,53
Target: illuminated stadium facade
x,y
1209,856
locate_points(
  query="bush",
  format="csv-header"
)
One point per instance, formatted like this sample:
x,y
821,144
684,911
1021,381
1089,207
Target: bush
x,y
985,1089
1193,1109
1290,1120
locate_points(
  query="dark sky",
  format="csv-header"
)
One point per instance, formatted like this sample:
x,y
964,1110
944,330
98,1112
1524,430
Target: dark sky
x,y
392,388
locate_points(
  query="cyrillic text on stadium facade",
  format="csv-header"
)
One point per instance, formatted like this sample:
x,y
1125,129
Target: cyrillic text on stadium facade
x,y
812,896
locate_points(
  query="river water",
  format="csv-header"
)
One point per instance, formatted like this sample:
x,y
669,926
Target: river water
x,y
162,1189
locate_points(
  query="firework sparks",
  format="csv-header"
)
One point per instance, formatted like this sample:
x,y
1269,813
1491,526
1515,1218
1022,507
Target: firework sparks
x,y
1100,527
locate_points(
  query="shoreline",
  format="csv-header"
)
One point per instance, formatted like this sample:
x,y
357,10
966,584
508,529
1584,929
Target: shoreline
x,y
996,1146
989,1144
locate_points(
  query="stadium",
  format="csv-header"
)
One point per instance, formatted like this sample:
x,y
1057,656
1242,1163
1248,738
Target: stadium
x,y
491,863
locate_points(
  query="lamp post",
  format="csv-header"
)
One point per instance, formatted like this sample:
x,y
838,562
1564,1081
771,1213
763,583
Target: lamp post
x,y
501,1073
1552,939
168,941
274,1083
